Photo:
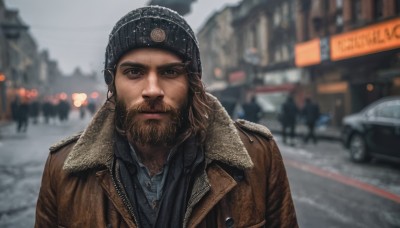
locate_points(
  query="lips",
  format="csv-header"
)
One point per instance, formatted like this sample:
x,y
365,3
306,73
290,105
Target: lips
x,y
153,111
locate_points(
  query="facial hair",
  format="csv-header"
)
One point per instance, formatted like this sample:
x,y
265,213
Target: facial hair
x,y
151,131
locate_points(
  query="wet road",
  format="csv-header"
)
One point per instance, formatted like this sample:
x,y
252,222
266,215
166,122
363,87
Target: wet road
x,y
331,191
328,190
22,158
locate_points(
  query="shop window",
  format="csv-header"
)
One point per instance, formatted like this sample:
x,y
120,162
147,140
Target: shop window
x,y
285,9
339,4
254,36
378,9
339,21
397,2
326,6
356,11
339,16
277,16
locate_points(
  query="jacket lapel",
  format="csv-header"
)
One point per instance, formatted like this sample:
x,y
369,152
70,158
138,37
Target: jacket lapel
x,y
220,183
105,181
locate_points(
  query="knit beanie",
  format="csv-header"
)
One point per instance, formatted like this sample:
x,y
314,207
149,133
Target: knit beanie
x,y
155,27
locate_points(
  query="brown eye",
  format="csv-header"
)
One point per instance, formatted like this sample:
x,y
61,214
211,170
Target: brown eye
x,y
133,73
172,72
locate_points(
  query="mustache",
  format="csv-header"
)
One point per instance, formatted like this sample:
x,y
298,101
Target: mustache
x,y
147,107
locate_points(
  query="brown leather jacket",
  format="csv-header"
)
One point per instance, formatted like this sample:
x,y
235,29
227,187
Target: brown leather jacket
x,y
244,183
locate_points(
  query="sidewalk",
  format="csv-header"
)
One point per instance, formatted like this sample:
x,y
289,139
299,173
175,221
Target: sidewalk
x,y
328,133
4,126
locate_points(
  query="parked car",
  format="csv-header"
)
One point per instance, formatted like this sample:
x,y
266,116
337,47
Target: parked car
x,y
374,132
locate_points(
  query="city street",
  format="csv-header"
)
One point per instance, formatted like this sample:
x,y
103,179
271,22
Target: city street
x,y
22,157
328,189
331,191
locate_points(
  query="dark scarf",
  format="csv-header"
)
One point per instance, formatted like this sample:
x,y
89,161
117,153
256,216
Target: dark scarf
x,y
177,188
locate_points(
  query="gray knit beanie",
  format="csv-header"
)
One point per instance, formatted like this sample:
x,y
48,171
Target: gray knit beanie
x,y
156,27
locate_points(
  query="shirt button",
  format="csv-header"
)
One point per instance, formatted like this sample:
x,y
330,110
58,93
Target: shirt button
x,y
148,185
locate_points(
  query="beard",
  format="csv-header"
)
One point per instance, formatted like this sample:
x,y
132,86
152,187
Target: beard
x,y
150,131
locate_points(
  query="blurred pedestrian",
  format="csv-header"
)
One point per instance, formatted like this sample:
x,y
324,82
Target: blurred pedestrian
x,y
35,110
23,116
63,109
91,107
82,111
310,114
47,110
14,109
229,104
161,152
288,116
252,111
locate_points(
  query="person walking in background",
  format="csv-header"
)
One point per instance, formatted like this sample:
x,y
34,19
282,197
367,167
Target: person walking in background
x,y
14,109
92,107
161,151
23,115
63,109
252,110
289,112
47,109
35,111
310,114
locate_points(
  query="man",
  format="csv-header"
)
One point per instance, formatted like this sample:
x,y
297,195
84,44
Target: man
x,y
252,110
311,114
289,112
161,152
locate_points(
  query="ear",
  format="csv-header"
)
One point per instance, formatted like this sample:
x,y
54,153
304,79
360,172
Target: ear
x,y
109,79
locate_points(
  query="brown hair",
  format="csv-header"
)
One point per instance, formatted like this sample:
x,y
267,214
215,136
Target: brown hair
x,y
198,107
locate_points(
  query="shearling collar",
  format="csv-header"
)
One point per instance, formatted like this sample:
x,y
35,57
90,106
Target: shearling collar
x,y
95,146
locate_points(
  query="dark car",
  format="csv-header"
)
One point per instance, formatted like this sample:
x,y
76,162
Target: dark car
x,y
374,132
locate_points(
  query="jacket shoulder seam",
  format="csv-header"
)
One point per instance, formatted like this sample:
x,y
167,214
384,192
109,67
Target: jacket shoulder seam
x,y
254,128
64,142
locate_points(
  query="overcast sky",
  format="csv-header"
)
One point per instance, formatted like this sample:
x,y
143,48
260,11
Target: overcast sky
x,y
75,31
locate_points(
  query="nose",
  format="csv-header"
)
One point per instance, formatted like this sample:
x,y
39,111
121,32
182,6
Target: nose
x,y
153,89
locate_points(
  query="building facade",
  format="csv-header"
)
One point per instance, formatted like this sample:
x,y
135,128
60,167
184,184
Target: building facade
x,y
351,49
214,40
256,42
24,71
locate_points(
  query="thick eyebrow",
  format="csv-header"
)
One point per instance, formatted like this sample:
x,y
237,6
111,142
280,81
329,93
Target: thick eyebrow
x,y
131,64
134,64
170,65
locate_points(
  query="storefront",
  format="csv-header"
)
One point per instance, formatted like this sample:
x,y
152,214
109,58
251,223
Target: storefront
x,y
358,68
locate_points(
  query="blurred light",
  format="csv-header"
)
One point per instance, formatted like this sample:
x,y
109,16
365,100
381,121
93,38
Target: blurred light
x,y
396,82
22,92
77,103
75,96
79,99
63,96
370,87
2,77
217,72
94,95
34,92
83,96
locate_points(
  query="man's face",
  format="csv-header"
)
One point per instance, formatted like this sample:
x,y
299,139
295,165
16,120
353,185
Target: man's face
x,y
152,89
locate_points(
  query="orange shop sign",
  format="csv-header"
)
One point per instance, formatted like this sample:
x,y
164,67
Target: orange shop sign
x,y
308,53
372,39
